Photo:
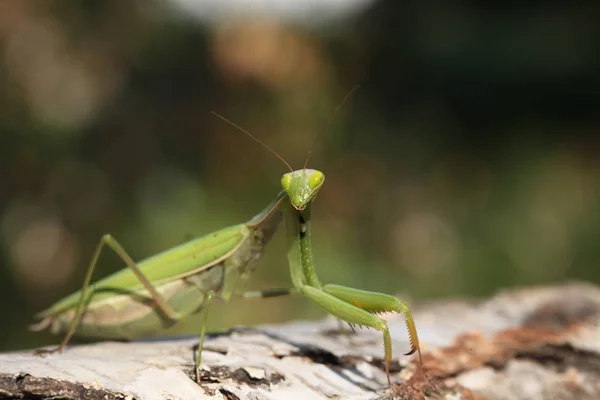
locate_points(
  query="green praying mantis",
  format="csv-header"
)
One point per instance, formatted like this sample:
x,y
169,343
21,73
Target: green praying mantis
x,y
153,294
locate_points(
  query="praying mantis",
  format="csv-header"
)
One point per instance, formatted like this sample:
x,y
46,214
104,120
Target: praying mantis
x,y
153,294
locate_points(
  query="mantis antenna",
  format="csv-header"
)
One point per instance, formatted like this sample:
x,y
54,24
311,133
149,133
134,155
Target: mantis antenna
x,y
314,145
266,146
320,135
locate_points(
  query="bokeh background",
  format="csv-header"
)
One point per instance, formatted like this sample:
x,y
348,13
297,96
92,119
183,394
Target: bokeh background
x,y
466,162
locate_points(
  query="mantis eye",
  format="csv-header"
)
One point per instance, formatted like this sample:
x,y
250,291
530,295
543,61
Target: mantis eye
x,y
286,182
316,179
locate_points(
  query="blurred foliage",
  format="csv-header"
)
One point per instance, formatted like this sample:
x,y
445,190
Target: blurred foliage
x,y
466,162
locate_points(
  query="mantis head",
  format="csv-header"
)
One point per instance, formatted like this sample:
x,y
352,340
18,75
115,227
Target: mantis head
x,y
302,186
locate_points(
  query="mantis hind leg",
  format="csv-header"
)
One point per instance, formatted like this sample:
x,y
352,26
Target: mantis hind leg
x,y
108,240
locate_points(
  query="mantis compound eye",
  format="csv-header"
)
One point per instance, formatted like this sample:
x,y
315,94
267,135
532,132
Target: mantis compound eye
x,y
286,182
316,179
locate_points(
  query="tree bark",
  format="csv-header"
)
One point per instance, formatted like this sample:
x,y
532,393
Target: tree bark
x,y
531,343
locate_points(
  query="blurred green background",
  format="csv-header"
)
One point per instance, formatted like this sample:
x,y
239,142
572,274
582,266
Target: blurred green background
x,y
467,161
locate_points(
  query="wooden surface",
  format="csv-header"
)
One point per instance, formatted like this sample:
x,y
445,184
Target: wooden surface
x,y
531,343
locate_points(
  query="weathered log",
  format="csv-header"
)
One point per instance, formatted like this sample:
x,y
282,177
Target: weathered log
x,y
531,343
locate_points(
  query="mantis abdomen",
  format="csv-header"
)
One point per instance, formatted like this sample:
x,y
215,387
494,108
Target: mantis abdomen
x,y
121,306
133,314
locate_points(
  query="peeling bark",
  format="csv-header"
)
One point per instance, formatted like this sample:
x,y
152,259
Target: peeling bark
x,y
531,343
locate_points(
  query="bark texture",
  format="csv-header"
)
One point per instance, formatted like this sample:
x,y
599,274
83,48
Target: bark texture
x,y
531,343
